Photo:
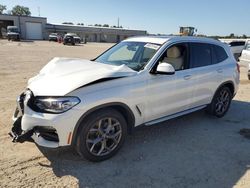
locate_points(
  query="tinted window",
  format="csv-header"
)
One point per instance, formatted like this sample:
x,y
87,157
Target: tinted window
x,y
219,54
237,43
201,55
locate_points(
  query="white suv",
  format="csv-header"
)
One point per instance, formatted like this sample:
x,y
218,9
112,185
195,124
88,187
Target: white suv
x,y
92,105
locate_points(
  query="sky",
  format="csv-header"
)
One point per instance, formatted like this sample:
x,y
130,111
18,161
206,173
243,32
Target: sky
x,y
210,17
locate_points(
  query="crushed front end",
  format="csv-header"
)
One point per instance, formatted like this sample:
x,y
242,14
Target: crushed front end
x,y
43,135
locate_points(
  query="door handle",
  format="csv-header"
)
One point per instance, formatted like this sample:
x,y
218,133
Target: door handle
x,y
187,77
219,70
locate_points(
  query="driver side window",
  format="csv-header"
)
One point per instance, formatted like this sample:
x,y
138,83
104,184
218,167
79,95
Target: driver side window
x,y
177,56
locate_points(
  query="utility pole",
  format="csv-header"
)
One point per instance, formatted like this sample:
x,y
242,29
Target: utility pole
x,y
38,11
118,22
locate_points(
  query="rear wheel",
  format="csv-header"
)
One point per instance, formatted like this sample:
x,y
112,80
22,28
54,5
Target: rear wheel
x,y
101,135
220,103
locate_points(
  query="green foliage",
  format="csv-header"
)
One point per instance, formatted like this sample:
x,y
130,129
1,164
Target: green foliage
x,y
244,36
105,25
20,11
232,35
80,24
2,8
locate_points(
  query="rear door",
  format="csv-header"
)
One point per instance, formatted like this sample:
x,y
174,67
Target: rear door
x,y
206,72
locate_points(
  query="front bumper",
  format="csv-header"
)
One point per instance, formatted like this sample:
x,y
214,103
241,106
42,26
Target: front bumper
x,y
48,130
14,37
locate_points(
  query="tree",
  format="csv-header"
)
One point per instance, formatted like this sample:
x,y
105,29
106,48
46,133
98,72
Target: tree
x,y
105,25
81,24
232,35
244,36
20,11
2,8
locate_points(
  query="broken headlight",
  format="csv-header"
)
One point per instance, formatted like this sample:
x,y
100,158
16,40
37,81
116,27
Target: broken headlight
x,y
55,104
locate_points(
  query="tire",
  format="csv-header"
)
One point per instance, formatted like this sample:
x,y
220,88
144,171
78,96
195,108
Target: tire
x,y
101,135
221,102
248,77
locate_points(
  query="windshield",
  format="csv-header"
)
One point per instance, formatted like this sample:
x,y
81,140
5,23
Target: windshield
x,y
133,54
14,30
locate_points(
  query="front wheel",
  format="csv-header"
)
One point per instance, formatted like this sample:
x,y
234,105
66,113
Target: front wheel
x,y
101,135
220,103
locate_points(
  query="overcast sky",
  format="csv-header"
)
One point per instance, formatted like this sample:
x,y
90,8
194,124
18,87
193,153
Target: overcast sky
x,y
210,17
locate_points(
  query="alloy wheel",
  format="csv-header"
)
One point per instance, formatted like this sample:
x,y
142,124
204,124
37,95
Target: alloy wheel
x,y
104,136
222,102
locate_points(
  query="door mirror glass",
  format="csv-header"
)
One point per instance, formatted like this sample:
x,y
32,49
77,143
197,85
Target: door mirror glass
x,y
165,68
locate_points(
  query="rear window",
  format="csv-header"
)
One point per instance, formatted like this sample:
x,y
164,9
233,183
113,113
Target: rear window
x,y
237,43
201,55
219,54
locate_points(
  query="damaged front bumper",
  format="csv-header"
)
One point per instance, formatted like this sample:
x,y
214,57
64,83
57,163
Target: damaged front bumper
x,y
17,134
42,135
16,131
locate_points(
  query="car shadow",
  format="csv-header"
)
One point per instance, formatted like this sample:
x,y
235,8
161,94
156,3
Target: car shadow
x,y
195,150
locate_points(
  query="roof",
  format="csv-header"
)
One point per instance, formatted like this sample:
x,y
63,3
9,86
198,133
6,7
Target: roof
x,y
162,39
96,27
23,16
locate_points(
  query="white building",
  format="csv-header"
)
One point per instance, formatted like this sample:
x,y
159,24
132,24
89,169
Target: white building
x,y
37,28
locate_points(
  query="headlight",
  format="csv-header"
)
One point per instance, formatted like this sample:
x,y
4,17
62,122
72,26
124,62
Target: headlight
x,y
55,104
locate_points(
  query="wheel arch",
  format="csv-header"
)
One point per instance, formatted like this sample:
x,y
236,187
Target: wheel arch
x,y
120,107
228,84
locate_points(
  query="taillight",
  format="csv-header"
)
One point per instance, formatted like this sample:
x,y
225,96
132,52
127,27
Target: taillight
x,y
238,67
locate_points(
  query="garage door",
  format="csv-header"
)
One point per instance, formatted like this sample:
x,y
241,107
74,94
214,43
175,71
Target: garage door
x,y
33,30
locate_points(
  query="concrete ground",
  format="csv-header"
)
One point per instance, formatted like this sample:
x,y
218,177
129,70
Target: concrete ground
x,y
196,150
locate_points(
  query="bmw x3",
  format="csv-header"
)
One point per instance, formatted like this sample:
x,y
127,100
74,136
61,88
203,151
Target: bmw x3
x,y
93,104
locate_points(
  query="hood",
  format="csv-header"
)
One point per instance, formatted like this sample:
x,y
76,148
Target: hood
x,y
63,75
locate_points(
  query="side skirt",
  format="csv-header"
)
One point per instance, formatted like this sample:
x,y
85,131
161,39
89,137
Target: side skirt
x,y
174,115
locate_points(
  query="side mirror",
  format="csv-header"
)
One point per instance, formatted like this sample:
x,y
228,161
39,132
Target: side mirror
x,y
165,68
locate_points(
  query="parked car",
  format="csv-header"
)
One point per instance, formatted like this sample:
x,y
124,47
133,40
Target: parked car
x,y
54,37
77,38
245,56
92,105
71,38
236,48
68,39
13,33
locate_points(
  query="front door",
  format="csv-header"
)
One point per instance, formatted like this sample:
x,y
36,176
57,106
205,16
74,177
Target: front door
x,y
170,94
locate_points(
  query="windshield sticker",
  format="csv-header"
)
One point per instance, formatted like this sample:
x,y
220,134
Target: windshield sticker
x,y
152,46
